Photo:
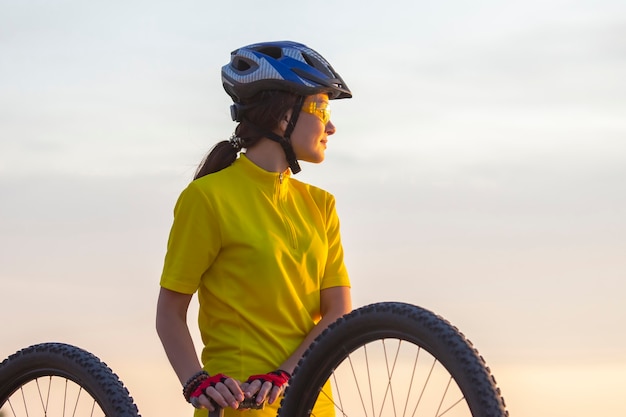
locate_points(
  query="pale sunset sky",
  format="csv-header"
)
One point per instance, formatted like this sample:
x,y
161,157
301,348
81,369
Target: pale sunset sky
x,y
479,171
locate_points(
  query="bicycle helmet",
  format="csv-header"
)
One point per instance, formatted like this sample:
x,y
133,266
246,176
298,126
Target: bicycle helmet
x,y
284,65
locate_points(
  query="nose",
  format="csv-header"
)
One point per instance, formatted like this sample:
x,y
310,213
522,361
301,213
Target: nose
x,y
330,128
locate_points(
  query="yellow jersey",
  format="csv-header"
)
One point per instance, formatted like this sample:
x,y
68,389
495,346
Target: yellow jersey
x,y
258,247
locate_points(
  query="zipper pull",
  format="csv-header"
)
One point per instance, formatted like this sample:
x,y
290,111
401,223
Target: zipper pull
x,y
280,177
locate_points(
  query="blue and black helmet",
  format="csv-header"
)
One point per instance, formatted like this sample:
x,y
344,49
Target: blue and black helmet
x,y
285,66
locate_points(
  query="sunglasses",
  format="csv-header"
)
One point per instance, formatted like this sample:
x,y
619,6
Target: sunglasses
x,y
321,110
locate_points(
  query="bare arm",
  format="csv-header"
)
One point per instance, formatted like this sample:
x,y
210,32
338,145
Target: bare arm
x,y
171,324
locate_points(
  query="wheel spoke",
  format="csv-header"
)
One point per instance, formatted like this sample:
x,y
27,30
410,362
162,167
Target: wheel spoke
x,y
452,406
45,407
408,395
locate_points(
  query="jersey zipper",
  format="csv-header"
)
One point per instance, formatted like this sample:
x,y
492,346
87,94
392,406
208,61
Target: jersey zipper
x,y
289,228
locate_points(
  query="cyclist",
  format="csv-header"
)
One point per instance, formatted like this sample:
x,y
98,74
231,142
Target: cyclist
x,y
262,249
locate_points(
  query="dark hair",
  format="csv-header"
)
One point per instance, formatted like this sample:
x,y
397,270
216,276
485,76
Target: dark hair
x,y
262,114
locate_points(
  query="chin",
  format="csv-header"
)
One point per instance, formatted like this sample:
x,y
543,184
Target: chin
x,y
314,159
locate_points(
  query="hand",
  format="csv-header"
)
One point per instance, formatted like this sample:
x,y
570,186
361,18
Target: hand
x,y
266,386
219,390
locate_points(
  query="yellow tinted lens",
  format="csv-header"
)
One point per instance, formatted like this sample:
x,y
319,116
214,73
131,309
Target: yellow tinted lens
x,y
324,113
321,110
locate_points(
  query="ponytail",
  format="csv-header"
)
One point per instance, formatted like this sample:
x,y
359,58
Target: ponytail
x,y
221,156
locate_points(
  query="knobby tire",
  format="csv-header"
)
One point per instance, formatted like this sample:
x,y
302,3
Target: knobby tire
x,y
388,329
57,379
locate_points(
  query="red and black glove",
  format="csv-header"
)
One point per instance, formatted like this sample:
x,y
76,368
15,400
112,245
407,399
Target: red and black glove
x,y
211,381
197,385
278,378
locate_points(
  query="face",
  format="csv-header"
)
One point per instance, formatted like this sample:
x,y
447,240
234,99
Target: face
x,y
310,135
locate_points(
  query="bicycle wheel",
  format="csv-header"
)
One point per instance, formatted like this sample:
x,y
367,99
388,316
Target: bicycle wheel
x,y
393,359
57,380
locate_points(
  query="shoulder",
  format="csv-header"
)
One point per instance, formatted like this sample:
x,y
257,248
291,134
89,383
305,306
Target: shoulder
x,y
309,187
202,191
215,178
212,184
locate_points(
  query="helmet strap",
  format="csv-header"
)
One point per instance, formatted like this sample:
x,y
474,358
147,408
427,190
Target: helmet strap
x,y
287,148
286,143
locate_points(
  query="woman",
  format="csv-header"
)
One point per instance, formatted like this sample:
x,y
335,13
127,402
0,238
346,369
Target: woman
x,y
262,249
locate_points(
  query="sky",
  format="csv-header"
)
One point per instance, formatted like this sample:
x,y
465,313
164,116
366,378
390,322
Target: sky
x,y
479,171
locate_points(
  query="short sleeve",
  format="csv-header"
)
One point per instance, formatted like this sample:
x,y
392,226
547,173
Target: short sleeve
x,y
193,243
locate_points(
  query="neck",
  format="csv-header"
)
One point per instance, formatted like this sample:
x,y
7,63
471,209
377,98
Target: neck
x,y
268,155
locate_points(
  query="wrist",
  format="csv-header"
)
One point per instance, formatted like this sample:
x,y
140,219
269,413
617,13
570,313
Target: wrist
x,y
283,373
193,383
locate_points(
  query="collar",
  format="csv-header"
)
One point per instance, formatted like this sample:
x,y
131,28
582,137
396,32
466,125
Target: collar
x,y
257,173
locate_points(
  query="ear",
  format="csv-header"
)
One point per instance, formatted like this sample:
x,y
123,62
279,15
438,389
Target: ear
x,y
284,122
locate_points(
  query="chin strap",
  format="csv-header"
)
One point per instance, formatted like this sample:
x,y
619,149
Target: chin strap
x,y
285,143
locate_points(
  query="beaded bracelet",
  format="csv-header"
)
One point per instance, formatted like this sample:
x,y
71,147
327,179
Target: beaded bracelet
x,y
193,382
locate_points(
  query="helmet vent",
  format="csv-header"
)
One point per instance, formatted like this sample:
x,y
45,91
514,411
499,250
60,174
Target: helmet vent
x,y
273,51
310,61
241,65
315,63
